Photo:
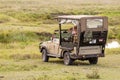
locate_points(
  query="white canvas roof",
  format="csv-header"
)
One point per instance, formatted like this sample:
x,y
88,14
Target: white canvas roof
x,y
75,16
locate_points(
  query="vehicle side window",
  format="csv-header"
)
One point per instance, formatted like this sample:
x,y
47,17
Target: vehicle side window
x,y
66,36
56,35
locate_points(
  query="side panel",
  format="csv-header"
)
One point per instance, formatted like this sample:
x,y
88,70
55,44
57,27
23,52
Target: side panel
x,y
56,47
50,47
90,50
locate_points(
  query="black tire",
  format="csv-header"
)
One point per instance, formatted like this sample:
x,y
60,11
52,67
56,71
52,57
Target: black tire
x,y
45,58
93,60
67,59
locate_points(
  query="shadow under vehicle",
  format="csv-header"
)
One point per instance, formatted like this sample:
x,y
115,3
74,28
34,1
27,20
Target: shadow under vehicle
x,y
85,41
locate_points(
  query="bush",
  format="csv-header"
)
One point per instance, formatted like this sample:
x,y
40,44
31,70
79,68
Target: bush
x,y
93,75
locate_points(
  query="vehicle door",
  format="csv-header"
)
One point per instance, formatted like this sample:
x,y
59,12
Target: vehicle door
x,y
56,43
50,45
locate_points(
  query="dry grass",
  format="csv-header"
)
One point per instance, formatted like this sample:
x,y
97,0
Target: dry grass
x,y
43,5
35,69
21,60
93,75
36,11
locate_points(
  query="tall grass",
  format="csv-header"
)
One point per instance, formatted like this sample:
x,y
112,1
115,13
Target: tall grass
x,y
22,36
7,37
113,51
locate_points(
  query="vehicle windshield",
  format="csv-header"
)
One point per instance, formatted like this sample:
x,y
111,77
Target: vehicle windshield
x,y
94,23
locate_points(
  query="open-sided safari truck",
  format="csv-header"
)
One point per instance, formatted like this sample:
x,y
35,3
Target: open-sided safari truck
x,y
84,41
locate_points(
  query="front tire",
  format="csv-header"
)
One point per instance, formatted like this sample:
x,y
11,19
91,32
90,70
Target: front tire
x,y
93,60
45,58
67,59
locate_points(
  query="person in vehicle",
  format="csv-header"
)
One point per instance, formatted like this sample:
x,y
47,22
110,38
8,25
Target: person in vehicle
x,y
73,32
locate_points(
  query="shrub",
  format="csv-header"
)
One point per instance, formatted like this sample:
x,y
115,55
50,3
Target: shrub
x,y
93,75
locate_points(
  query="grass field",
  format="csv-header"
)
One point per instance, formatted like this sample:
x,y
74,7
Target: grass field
x,y
34,69
25,23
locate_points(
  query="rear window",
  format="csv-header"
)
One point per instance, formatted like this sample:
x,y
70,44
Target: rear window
x,y
94,23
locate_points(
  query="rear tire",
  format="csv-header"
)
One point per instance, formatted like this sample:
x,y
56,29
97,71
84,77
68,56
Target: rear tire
x,y
45,58
93,60
67,59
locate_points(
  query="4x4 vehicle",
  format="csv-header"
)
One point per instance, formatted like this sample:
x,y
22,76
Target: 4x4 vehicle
x,y
85,41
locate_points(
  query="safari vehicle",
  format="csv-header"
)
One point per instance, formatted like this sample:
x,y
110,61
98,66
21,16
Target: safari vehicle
x,y
88,42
